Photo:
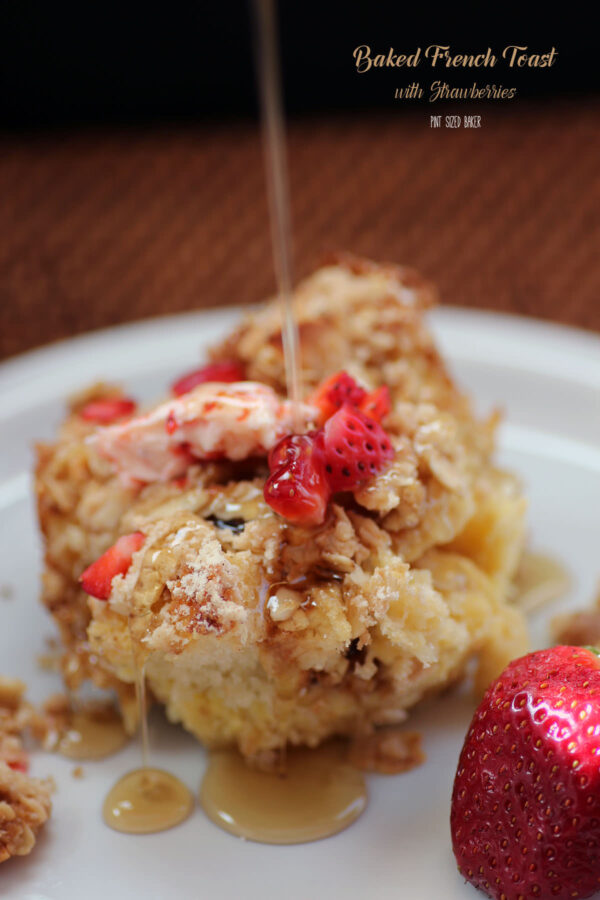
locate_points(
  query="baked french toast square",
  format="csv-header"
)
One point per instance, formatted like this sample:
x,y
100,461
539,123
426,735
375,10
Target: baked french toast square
x,y
327,606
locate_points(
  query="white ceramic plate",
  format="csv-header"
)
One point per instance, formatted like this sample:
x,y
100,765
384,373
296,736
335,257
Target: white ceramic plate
x,y
548,381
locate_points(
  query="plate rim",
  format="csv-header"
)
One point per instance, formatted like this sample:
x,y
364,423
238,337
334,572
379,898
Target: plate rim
x,y
447,317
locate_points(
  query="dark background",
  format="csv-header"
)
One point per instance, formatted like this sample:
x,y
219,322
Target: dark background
x,y
70,64
132,180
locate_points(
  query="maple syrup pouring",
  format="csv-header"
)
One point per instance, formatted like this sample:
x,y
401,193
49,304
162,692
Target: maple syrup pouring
x,y
146,800
273,129
317,794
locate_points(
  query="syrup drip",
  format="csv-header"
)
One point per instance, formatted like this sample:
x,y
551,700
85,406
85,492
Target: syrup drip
x,y
316,794
146,800
273,127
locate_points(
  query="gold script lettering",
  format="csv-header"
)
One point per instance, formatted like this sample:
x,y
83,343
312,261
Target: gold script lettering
x,y
362,56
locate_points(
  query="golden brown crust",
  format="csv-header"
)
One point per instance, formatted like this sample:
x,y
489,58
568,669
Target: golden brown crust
x,y
425,291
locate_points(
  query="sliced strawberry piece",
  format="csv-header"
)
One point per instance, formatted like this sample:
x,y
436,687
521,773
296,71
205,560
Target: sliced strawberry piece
x,y
103,412
334,392
97,578
228,370
297,488
377,404
356,448
19,765
342,389
289,448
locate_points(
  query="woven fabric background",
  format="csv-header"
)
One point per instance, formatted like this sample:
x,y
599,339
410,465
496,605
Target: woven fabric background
x,y
102,228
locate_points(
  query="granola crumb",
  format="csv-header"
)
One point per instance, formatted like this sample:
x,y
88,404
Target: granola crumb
x,y
51,720
78,772
24,801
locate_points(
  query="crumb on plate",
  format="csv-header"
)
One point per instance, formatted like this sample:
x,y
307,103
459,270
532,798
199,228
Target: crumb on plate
x,y
24,800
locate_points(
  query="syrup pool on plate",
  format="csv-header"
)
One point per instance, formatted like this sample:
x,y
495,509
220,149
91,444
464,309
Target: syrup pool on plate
x,y
317,793
92,733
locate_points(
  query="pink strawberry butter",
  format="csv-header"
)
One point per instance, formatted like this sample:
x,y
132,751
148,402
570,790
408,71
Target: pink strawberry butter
x,y
213,420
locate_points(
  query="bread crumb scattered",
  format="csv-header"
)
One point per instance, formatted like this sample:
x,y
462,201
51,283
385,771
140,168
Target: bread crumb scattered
x,y
24,801
579,628
389,751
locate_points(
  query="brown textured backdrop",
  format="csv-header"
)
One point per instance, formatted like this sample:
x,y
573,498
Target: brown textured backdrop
x,y
103,228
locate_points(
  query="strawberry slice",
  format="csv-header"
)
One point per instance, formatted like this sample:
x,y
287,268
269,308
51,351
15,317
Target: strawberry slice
x,y
334,392
377,404
356,448
97,578
227,370
341,389
103,412
297,488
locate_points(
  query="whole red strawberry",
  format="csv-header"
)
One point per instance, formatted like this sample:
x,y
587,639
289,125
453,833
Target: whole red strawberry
x,y
525,816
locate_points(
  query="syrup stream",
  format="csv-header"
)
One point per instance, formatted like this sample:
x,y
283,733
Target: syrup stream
x,y
273,128
140,695
314,793
146,800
